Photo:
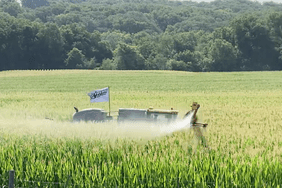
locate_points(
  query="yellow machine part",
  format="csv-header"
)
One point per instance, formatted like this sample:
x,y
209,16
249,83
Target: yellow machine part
x,y
151,110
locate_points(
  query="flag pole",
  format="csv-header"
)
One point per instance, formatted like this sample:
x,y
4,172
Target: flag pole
x,y
109,102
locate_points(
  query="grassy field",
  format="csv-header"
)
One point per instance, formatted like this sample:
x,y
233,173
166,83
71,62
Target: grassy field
x,y
243,110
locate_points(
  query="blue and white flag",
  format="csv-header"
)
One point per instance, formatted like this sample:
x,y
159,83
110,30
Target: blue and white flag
x,y
100,95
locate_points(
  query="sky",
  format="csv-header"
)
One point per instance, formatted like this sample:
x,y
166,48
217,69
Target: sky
x,y
261,1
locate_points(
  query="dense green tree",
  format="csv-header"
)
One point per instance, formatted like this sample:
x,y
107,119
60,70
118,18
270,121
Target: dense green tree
x,y
173,64
6,59
50,46
146,44
165,45
10,34
11,7
274,22
75,59
29,15
90,64
90,43
185,41
128,58
44,14
131,22
113,38
253,41
164,17
108,64
29,47
66,19
185,56
223,56
58,8
157,62
223,35
34,3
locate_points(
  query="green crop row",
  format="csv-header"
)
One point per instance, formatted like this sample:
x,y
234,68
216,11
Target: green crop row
x,y
92,163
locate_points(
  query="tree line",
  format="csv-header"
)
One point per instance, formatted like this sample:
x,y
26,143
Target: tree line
x,y
225,35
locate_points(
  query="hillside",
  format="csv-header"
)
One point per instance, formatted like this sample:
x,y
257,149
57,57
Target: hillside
x,y
227,35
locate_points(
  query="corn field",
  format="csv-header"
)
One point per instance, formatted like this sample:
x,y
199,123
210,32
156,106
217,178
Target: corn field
x,y
45,149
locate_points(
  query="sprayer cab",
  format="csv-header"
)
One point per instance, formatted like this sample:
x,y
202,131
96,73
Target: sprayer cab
x,y
148,115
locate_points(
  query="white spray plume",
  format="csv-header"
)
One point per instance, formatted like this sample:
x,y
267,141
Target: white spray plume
x,y
107,130
179,125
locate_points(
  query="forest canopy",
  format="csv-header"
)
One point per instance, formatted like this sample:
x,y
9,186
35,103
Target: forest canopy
x,y
224,35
